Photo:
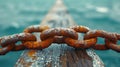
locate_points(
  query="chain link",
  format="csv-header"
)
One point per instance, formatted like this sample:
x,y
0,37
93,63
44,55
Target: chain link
x,y
59,35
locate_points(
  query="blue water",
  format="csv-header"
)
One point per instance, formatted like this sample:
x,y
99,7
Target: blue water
x,y
15,15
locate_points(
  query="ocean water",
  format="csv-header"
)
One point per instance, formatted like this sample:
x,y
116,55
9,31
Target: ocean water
x,y
15,15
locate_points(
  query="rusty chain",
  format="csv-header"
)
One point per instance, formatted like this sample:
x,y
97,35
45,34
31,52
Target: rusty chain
x,y
59,35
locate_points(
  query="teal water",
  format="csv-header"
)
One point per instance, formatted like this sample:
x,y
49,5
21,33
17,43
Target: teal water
x,y
15,15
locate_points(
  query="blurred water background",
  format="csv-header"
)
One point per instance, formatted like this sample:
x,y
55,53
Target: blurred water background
x,y
15,15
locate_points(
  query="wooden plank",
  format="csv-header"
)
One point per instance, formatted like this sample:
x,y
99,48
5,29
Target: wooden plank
x,y
59,55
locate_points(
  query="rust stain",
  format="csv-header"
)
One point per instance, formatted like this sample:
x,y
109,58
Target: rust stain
x,y
31,53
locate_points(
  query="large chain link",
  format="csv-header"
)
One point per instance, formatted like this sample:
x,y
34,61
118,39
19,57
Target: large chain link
x,y
59,35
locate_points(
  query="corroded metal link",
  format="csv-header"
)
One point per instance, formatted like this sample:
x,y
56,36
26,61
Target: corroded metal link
x,y
35,28
6,49
59,32
81,43
103,34
38,44
100,33
113,44
81,29
26,45
4,41
100,46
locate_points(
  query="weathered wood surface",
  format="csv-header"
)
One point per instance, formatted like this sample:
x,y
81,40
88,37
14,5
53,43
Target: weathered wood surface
x,y
59,55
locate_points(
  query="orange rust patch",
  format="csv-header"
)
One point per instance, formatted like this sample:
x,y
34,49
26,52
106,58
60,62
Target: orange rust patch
x,y
31,53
